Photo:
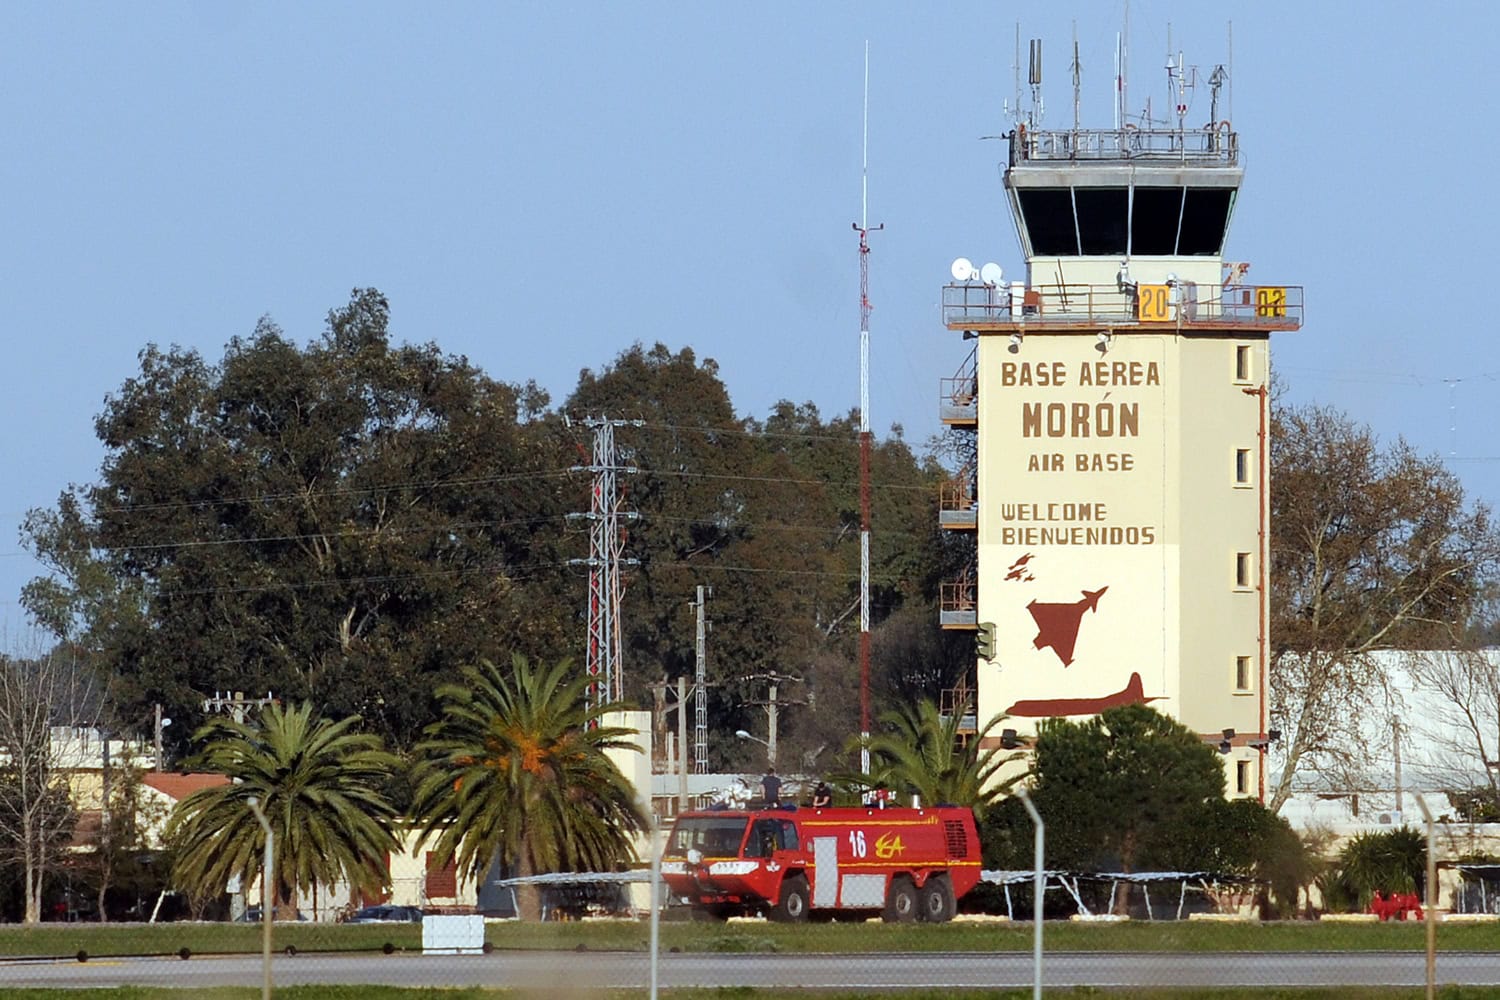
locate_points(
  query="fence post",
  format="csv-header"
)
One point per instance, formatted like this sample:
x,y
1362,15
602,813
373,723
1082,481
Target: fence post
x,y
1430,910
656,853
1039,888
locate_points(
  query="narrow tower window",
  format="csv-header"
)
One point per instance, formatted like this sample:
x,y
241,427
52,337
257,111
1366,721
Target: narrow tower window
x,y
1242,777
1242,675
1242,467
1242,360
1243,571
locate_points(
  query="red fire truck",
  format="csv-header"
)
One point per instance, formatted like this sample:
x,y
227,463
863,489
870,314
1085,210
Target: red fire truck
x,y
791,864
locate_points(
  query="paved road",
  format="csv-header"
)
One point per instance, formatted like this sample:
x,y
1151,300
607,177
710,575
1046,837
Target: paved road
x,y
583,971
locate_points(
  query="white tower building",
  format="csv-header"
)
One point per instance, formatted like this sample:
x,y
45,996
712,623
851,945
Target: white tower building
x,y
1119,400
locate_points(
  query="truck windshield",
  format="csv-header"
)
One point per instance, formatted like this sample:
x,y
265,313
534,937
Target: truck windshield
x,y
714,836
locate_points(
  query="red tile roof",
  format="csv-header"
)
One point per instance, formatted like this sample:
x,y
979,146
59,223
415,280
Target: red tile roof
x,y
180,786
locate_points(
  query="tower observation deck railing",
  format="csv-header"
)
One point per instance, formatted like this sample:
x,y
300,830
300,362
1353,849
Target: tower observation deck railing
x,y
1186,305
1213,145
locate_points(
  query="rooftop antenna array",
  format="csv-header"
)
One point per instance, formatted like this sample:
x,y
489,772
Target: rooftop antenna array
x,y
1034,77
1215,81
1032,116
1180,79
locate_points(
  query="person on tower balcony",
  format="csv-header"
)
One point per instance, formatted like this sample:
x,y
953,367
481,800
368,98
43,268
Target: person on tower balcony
x,y
1127,287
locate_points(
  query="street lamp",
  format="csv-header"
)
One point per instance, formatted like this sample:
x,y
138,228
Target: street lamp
x,y
768,744
267,896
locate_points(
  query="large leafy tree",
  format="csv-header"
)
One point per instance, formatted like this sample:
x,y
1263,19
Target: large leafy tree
x,y
1372,547
319,784
342,522
1117,789
767,513
515,770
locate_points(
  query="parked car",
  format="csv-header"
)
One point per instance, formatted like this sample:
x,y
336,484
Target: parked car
x,y
387,913
252,916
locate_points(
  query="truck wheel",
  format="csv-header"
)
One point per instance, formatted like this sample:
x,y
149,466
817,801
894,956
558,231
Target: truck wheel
x,y
936,900
900,901
791,908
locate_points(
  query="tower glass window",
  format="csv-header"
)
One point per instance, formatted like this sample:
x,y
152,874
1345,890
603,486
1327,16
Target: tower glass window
x,y
1205,218
1103,215
1243,571
1048,214
1242,466
1242,676
1154,218
1242,363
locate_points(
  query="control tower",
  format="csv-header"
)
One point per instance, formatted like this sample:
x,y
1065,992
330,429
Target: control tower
x,y
1118,401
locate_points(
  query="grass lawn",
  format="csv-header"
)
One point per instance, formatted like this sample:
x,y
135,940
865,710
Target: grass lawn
x,y
396,993
53,940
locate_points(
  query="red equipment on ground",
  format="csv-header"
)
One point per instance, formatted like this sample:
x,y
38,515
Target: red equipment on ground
x,y
1397,904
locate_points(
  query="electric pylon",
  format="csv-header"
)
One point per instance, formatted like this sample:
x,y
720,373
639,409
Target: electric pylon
x,y
605,561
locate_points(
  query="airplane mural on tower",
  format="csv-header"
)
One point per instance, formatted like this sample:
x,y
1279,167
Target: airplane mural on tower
x,y
1057,624
1051,708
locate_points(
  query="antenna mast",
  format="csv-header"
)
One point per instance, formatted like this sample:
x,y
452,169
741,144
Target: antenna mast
x,y
1034,78
1077,77
605,562
1015,66
1125,69
863,229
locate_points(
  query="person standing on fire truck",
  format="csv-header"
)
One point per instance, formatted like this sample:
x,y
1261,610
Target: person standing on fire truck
x,y
770,785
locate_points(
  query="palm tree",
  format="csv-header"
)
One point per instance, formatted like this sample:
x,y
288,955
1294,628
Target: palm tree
x,y
515,769
319,784
921,749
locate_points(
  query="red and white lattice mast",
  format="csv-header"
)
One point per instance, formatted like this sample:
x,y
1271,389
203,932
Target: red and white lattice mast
x,y
605,562
864,229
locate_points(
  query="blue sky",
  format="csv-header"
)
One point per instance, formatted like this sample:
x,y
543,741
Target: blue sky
x,y
538,185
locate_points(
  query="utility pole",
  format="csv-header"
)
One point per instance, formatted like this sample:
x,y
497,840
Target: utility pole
x,y
606,557
682,764
773,705
700,688
235,704
1396,750
862,227
161,724
676,761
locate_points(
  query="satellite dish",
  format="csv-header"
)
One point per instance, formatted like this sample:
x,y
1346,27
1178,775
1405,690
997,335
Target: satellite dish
x,y
963,270
991,273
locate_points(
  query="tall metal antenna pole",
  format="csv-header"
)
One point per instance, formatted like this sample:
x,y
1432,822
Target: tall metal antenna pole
x,y
700,686
1230,42
605,562
1125,69
1016,68
1077,78
863,229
